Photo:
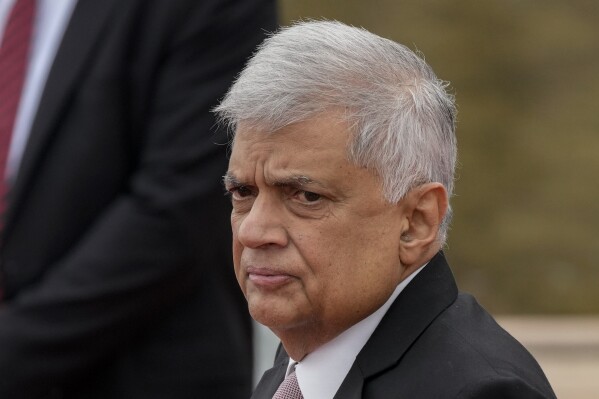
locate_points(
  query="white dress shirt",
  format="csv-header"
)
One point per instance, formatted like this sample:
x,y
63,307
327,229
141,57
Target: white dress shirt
x,y
51,20
321,372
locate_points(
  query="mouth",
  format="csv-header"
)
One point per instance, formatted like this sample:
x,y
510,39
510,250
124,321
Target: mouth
x,y
267,278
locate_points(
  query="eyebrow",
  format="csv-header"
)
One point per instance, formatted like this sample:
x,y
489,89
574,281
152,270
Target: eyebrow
x,y
230,179
295,180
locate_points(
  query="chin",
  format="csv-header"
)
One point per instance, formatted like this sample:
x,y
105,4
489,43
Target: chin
x,y
261,312
275,320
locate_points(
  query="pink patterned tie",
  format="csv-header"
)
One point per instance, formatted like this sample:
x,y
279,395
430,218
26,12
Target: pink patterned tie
x,y
289,389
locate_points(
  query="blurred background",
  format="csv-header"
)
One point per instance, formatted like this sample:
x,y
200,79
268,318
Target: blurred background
x,y
525,236
525,73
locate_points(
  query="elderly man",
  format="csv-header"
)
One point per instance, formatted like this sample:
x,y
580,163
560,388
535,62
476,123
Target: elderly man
x,y
340,176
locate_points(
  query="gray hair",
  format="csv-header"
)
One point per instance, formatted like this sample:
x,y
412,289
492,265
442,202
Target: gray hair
x,y
402,118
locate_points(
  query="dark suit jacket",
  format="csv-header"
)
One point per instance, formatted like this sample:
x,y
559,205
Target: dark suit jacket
x,y
115,252
434,343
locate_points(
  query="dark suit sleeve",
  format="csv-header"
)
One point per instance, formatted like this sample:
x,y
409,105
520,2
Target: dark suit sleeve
x,y
502,388
152,245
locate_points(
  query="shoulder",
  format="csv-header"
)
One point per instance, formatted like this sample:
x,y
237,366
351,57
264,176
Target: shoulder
x,y
464,353
467,329
502,388
479,355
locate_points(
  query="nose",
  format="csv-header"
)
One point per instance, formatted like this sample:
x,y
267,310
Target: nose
x,y
262,226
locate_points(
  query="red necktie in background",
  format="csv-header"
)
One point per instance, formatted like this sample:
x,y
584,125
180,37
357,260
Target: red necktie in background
x,y
14,53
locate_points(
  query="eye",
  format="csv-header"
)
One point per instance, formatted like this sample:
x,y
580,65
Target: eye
x,y
306,197
308,204
240,192
310,196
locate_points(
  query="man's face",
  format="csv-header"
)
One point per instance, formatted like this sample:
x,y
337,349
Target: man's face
x,y
315,245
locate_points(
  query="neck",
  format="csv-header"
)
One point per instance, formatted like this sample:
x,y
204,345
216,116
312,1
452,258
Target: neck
x,y
299,343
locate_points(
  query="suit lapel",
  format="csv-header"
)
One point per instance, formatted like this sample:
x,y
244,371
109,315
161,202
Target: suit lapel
x,y
272,378
270,382
90,18
431,291
352,385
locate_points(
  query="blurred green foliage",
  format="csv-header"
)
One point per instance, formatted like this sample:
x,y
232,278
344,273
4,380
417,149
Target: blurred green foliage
x,y
525,236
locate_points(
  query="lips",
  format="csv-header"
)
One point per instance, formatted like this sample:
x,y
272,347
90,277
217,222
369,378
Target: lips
x,y
267,278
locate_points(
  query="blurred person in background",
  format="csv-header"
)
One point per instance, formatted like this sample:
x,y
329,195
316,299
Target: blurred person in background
x,y
341,170
114,247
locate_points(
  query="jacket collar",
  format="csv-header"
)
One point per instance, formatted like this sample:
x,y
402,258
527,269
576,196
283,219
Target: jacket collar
x,y
272,378
431,292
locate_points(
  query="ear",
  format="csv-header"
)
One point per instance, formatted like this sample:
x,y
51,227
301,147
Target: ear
x,y
424,209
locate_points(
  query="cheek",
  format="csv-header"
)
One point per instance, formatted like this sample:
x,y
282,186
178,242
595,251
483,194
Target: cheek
x,y
237,247
358,261
325,261
237,251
